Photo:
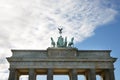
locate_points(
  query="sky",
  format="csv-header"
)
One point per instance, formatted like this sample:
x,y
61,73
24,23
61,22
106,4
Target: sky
x,y
29,25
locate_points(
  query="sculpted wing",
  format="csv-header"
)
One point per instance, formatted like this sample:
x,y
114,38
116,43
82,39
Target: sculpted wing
x,y
60,29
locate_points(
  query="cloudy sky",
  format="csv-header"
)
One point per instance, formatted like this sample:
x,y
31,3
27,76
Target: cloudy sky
x,y
29,25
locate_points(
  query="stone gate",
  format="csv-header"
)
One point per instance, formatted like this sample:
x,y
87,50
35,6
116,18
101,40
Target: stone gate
x,y
70,61
60,59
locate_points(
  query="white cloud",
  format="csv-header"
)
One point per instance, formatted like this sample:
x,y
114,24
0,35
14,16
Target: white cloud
x,y
30,24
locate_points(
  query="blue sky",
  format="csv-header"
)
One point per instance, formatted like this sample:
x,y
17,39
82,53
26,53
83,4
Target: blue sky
x,y
93,23
106,38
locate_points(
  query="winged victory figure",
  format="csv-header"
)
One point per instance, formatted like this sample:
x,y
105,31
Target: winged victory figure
x,y
60,30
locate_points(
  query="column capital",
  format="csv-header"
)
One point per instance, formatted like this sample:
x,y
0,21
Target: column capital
x,y
50,69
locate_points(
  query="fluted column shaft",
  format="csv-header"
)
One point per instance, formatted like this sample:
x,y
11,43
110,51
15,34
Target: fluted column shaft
x,y
109,74
91,74
13,75
50,74
32,74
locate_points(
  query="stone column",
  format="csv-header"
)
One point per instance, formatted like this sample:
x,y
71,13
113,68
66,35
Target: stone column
x,y
101,78
32,74
112,76
73,74
50,74
18,75
109,74
91,74
13,75
85,77
106,75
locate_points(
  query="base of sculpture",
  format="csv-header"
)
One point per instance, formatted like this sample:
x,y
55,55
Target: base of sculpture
x,y
62,52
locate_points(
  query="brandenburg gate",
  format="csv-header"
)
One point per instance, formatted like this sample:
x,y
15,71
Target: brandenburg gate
x,y
61,59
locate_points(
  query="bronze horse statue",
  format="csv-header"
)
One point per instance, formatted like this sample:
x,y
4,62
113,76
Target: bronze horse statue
x,y
71,42
52,42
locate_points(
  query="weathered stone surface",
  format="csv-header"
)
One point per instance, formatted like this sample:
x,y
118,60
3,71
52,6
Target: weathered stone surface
x,y
65,59
94,54
61,58
62,52
59,64
29,53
